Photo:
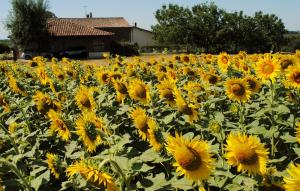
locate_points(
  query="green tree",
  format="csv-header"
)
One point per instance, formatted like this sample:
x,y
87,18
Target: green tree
x,y
206,22
173,26
27,24
213,29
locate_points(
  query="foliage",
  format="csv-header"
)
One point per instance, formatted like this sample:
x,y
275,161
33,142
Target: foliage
x,y
123,49
4,48
187,122
292,42
213,29
27,24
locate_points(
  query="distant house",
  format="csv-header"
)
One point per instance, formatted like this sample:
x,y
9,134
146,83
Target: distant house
x,y
142,37
95,34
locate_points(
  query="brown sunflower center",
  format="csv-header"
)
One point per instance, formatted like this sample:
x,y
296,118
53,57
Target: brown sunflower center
x,y
186,59
2,101
140,91
213,79
224,60
188,158
70,73
247,157
61,125
185,109
121,88
85,101
104,77
286,63
33,64
116,76
268,68
297,77
252,84
91,130
168,94
141,123
238,89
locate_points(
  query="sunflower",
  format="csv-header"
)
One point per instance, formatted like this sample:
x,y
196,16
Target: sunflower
x,y
298,131
184,58
166,91
84,99
153,135
224,61
247,153
292,183
58,72
211,76
267,68
12,127
44,103
90,128
53,164
140,120
188,71
193,158
4,103
287,61
121,89
139,91
92,175
176,58
15,85
42,75
188,110
193,89
58,126
253,84
103,77
293,77
237,90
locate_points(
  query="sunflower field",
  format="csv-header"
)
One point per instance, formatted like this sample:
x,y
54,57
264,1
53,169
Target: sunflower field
x,y
186,122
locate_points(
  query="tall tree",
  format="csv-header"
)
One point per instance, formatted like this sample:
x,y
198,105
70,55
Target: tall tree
x,y
172,27
209,27
27,24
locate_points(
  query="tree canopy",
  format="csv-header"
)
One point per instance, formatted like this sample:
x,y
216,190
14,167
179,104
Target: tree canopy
x,y
213,29
27,24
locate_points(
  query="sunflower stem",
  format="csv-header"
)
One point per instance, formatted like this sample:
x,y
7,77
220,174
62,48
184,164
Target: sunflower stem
x,y
10,138
272,117
115,164
24,116
242,118
18,173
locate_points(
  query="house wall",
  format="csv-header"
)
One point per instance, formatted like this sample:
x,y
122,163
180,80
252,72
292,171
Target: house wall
x,y
92,44
121,34
142,37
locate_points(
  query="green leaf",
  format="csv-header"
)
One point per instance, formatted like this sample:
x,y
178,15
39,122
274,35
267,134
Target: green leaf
x,y
219,117
282,109
297,151
169,118
40,180
181,184
288,138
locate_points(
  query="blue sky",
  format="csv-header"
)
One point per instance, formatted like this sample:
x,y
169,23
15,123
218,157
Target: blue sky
x,y
142,11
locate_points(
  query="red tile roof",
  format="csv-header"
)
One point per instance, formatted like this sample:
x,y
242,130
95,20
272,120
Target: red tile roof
x,y
64,27
108,22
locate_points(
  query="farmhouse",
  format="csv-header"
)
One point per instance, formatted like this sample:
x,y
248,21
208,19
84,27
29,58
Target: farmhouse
x,y
95,34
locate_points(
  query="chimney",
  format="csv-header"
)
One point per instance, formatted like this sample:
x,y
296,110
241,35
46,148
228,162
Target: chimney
x,y
135,24
91,15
